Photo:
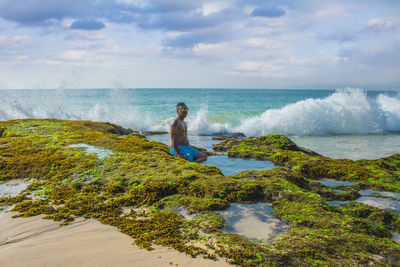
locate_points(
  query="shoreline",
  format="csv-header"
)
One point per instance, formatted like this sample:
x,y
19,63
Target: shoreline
x,y
72,178
34,241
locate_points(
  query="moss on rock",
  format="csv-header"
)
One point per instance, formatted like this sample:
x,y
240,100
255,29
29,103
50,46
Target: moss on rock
x,y
140,175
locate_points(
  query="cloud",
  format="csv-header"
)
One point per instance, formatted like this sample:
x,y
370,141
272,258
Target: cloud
x,y
207,35
270,12
214,7
378,25
186,21
11,42
87,24
258,69
379,56
88,36
33,13
373,26
167,15
340,37
167,6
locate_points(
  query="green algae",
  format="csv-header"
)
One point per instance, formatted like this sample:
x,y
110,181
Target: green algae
x,y
381,174
141,175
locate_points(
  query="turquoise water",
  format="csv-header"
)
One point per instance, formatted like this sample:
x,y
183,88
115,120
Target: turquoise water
x,y
348,123
255,221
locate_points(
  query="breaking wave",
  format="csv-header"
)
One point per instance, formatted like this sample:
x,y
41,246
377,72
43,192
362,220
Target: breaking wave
x,y
346,111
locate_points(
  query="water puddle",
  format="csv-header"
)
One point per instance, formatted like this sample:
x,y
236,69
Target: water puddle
x,y
339,191
337,203
380,193
228,166
332,183
12,188
254,221
232,166
188,216
396,237
382,200
381,203
100,152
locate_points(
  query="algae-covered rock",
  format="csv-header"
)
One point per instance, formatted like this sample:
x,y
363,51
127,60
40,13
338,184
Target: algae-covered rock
x,y
380,174
141,176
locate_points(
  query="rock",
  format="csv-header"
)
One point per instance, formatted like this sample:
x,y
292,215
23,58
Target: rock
x,y
141,175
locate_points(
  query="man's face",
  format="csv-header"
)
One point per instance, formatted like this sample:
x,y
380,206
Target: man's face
x,y
182,111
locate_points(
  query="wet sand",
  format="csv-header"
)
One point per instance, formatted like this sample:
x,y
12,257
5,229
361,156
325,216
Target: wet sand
x,y
36,242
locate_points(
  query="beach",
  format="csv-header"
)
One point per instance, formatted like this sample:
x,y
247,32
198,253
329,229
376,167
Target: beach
x,y
35,241
284,116
261,200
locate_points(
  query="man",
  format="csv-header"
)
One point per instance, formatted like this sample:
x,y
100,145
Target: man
x,y
179,141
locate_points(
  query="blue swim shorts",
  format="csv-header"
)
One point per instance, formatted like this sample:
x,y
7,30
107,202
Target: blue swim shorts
x,y
189,152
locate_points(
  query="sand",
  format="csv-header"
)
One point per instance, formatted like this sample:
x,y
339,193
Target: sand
x,y
85,242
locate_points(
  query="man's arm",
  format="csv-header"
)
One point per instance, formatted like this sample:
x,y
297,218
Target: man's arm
x,y
174,131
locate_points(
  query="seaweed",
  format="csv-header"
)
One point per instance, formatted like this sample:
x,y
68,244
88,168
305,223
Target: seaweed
x,y
140,175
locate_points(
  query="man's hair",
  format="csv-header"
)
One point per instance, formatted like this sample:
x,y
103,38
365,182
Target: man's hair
x,y
180,104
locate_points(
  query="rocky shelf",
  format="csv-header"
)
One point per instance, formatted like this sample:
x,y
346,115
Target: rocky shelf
x,y
140,189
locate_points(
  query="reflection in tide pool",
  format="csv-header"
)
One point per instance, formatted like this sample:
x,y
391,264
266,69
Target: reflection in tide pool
x,y
255,221
334,183
384,194
100,152
232,166
388,201
337,202
381,203
12,188
396,237
369,146
382,200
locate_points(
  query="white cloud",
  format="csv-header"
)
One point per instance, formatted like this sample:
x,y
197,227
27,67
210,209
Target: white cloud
x,y
139,51
48,62
263,42
380,25
137,3
211,49
15,41
75,55
208,37
21,57
329,12
258,69
214,7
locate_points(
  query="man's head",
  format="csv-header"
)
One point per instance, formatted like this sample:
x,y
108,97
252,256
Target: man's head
x,y
182,110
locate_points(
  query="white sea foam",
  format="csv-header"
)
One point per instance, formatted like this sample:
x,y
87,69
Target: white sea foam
x,y
116,110
347,111
124,115
200,124
391,107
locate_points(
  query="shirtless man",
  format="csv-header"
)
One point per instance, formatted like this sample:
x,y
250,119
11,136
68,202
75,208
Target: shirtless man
x,y
180,146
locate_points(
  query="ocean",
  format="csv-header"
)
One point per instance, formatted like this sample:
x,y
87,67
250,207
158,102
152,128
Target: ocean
x,y
344,123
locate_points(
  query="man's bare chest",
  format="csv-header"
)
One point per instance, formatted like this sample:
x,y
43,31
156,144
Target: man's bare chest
x,y
182,128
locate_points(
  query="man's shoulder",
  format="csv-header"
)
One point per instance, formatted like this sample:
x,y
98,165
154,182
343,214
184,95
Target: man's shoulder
x,y
174,122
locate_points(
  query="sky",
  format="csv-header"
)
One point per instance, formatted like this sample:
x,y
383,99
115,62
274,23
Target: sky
x,y
308,44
